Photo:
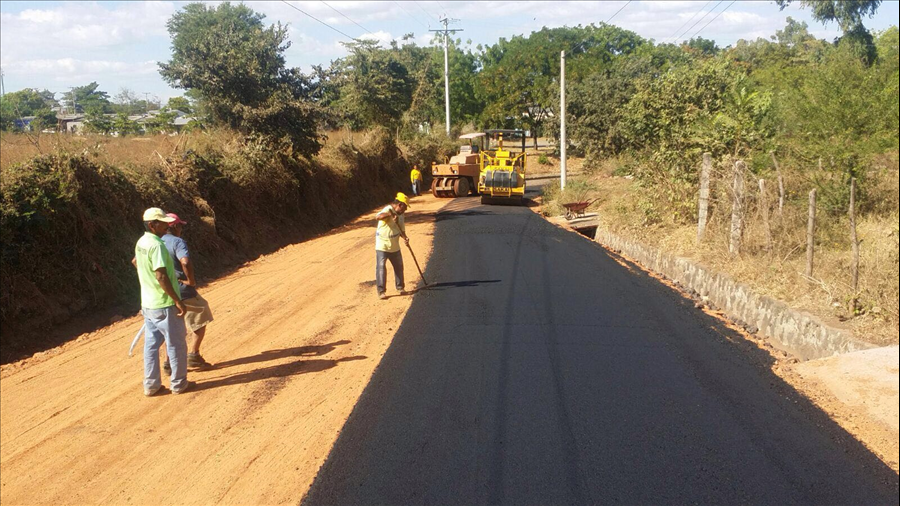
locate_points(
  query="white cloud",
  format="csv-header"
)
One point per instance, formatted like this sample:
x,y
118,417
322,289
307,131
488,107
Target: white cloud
x,y
73,27
304,44
381,37
71,70
41,16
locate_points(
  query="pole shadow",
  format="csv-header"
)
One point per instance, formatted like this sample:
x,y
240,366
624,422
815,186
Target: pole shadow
x,y
276,371
315,350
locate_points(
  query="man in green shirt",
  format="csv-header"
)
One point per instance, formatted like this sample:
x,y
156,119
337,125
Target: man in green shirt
x,y
161,305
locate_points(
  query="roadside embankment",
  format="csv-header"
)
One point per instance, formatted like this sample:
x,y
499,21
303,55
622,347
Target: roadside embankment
x,y
801,334
775,254
71,215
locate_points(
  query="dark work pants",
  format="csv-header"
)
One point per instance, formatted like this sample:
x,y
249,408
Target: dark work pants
x,y
381,258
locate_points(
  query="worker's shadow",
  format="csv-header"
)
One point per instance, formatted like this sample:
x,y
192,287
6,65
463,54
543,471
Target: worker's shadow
x,y
276,371
315,350
437,287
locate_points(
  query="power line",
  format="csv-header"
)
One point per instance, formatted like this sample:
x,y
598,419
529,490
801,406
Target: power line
x,y
580,45
688,21
348,19
699,20
618,11
411,16
713,19
422,8
285,2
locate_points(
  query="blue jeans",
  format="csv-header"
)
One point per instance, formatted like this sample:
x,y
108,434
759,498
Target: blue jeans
x,y
164,325
417,188
381,258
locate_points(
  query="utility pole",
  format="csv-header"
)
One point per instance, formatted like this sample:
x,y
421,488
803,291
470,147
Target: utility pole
x,y
2,85
446,32
562,120
72,100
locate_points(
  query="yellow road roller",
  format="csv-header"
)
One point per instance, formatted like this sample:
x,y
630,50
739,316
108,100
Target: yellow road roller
x,y
502,176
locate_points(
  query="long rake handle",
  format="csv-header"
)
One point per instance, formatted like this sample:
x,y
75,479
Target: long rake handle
x,y
417,263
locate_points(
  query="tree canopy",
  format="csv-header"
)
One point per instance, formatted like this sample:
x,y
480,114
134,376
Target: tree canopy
x,y
89,96
236,64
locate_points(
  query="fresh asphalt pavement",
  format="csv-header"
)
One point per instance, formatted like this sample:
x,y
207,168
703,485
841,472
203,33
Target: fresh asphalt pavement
x,y
537,369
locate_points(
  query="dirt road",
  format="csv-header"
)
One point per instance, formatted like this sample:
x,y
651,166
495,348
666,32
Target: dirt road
x,y
296,337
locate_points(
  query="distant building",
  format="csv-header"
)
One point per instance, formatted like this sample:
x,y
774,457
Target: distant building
x,y
182,121
66,122
23,123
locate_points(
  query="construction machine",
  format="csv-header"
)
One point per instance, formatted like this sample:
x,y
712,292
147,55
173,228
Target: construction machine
x,y
502,176
459,176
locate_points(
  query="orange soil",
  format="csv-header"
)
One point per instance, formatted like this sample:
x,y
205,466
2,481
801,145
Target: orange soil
x,y
296,337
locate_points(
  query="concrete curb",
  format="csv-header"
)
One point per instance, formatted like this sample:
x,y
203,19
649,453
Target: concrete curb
x,y
801,334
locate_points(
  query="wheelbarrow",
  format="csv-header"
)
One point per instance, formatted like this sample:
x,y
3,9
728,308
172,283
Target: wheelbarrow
x,y
576,209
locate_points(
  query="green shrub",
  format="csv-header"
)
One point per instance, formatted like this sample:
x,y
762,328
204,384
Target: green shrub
x,y
424,149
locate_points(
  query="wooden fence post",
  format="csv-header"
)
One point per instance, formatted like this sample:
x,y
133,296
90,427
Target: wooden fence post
x,y
811,233
703,205
737,209
780,185
854,244
764,208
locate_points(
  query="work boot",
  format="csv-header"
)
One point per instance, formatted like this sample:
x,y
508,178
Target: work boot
x,y
382,296
195,361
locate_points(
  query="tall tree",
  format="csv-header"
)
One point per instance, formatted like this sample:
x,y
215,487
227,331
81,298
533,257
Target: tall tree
x,y
82,98
179,104
794,33
125,99
519,82
847,13
376,88
27,102
703,46
237,65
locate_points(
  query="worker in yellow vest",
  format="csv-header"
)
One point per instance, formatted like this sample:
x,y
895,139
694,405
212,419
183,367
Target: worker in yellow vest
x,y
391,228
415,177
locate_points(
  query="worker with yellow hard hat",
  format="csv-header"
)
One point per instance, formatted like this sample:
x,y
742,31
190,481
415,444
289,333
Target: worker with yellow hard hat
x,y
415,177
391,228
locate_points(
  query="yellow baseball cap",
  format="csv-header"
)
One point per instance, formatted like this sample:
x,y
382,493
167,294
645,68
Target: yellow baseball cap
x,y
401,197
157,214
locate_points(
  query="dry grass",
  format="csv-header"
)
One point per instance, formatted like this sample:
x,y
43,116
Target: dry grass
x,y
135,151
633,211
18,148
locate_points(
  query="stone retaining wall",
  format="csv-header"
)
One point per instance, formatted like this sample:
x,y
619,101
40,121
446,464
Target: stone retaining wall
x,y
796,332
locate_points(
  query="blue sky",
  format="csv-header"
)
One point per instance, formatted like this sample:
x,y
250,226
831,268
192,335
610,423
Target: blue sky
x,y
56,45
